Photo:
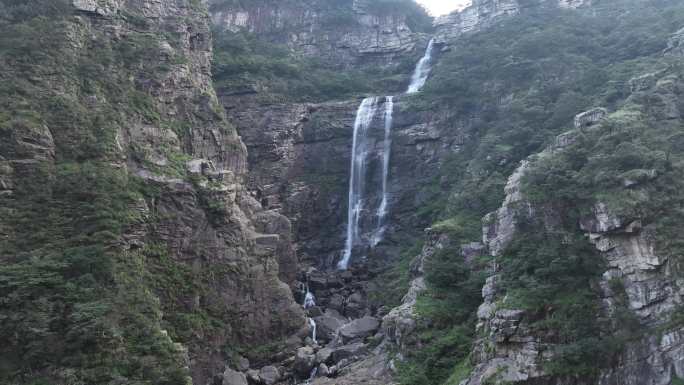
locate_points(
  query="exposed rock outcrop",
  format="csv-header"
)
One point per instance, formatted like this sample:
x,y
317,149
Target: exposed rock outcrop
x,y
339,34
591,117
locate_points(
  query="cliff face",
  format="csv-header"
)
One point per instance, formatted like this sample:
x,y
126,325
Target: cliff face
x,y
123,183
341,34
300,156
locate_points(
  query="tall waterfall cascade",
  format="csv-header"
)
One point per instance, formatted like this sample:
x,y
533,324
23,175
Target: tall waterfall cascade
x,y
364,117
386,151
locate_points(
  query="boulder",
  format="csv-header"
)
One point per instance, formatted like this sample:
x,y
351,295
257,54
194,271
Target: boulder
x,y
304,361
591,117
360,328
253,376
243,364
324,355
328,324
323,370
269,375
233,377
348,351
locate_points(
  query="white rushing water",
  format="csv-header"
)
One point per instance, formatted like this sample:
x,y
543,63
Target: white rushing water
x,y
312,323
364,117
422,71
314,371
309,300
386,152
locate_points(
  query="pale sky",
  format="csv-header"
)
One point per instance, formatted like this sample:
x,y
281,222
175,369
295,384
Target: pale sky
x,y
442,7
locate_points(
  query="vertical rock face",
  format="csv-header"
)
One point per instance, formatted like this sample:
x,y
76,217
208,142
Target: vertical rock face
x,y
168,134
300,156
339,34
483,13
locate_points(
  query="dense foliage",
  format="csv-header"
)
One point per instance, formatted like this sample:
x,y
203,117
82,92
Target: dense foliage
x,y
74,306
514,87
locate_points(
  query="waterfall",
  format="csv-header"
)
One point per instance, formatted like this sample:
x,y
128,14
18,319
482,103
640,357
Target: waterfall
x,y
309,299
314,371
364,117
386,149
422,71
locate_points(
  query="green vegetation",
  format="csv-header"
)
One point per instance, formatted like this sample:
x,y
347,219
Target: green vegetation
x,y
392,284
513,88
76,306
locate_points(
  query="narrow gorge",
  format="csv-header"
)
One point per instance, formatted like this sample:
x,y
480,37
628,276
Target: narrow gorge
x,y
341,192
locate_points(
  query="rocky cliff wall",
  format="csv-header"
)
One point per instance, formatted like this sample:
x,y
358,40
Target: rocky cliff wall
x,y
341,34
300,157
128,114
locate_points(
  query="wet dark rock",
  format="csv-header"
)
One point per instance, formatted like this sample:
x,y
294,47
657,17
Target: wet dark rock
x,y
304,361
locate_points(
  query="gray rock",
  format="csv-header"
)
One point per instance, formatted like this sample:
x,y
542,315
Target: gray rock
x,y
269,375
328,324
304,361
233,377
360,328
675,46
253,376
601,221
348,351
591,117
472,250
243,364
324,355
323,370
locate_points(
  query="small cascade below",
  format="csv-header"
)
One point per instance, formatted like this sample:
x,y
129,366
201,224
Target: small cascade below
x,y
364,117
312,323
313,374
420,75
386,152
309,302
309,299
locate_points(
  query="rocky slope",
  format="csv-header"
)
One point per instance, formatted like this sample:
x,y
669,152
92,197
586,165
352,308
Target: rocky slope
x,y
118,153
